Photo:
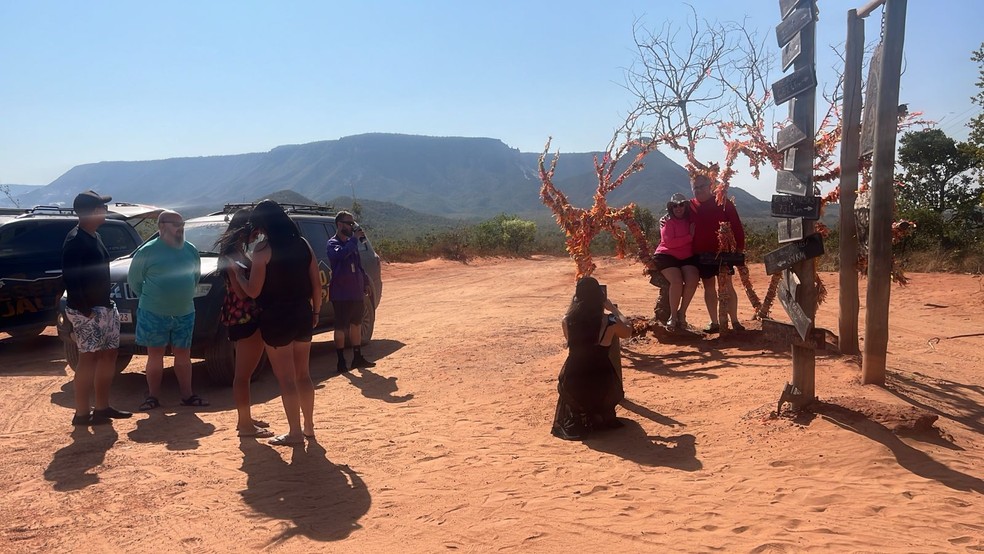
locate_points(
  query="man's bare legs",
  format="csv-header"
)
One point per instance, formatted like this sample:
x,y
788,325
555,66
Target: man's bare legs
x,y
711,299
182,370
155,370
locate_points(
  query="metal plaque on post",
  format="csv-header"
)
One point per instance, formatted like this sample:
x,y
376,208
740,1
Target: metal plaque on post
x,y
801,321
791,182
792,51
793,23
806,207
795,83
786,6
790,254
790,230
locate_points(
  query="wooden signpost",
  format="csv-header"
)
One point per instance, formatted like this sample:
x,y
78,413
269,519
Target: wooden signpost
x,y
798,204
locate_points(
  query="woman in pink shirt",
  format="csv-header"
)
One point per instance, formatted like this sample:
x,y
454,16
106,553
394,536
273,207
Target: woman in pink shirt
x,y
675,258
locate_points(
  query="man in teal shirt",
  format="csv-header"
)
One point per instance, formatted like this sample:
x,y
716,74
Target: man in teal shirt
x,y
164,275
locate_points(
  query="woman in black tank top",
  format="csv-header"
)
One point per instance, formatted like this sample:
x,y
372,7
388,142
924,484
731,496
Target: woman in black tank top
x,y
286,282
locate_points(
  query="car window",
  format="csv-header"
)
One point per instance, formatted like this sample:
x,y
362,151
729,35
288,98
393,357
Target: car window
x,y
31,238
203,234
118,239
317,234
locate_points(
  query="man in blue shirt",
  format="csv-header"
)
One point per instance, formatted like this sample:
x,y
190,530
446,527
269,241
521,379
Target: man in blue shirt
x,y
348,287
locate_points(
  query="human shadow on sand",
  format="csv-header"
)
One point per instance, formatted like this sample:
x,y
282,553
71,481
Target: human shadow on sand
x,y
631,442
180,430
912,459
376,386
70,467
321,500
649,414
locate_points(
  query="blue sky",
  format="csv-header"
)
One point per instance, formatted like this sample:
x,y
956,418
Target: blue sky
x,y
84,82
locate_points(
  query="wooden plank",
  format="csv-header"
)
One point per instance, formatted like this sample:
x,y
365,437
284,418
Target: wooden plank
x,y
806,207
797,82
790,230
789,159
790,254
792,281
793,24
789,136
792,182
800,320
786,6
791,51
777,331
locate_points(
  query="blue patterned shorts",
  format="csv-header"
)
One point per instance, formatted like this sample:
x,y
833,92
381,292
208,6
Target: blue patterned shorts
x,y
155,330
99,332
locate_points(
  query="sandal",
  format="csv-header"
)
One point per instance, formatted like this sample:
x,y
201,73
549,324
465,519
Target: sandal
x,y
256,433
149,403
286,440
194,400
260,423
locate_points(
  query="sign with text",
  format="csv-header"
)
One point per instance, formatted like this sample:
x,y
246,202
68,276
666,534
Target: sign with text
x,y
790,230
789,136
792,51
800,320
870,103
793,24
790,254
807,207
792,182
786,6
797,82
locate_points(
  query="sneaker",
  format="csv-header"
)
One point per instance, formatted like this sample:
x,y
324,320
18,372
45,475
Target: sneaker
x,y
342,366
359,361
112,413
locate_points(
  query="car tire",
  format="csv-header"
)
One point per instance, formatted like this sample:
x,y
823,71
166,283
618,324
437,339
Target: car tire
x,y
368,320
220,360
72,357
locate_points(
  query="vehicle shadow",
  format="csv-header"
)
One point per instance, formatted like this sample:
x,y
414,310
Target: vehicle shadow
x,y
70,467
41,355
324,501
911,459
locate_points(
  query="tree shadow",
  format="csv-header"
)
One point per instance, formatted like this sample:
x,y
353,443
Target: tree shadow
x,y
955,398
376,386
630,442
909,458
69,467
177,431
323,501
700,362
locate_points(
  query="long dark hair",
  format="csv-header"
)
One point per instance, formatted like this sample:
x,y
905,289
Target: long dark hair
x,y
279,228
236,235
584,313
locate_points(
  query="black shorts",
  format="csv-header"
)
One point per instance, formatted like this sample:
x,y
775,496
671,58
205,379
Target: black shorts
x,y
664,261
348,312
243,330
282,324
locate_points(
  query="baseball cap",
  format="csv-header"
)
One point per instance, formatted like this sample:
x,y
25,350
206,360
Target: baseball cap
x,y
88,201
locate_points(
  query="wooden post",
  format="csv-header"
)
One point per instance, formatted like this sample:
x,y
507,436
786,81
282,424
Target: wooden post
x,y
883,195
849,156
804,113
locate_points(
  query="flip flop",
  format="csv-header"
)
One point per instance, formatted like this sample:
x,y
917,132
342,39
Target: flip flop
x,y
286,440
256,433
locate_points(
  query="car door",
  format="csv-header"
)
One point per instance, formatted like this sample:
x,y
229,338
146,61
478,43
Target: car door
x,y
317,234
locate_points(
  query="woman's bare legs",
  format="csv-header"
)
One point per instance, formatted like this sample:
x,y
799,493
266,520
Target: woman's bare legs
x,y
248,354
675,277
305,387
691,276
282,360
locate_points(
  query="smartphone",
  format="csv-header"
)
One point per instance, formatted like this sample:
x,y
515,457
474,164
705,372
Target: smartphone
x,y
241,264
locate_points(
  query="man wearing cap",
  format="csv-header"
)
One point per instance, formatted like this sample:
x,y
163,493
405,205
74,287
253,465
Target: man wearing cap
x,y
164,274
95,321
708,217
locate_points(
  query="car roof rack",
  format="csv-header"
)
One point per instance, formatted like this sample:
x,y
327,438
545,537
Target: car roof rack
x,y
306,209
67,211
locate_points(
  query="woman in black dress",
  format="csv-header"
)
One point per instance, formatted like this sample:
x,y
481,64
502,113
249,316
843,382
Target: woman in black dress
x,y
589,385
286,283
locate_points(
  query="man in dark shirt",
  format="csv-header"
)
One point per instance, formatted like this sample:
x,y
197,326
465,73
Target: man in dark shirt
x,y
95,321
708,217
347,289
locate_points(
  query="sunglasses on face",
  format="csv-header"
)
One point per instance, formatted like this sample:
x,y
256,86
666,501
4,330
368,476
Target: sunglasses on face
x,y
348,222
680,205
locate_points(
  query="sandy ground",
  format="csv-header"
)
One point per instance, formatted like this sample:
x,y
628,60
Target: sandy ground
x,y
445,445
